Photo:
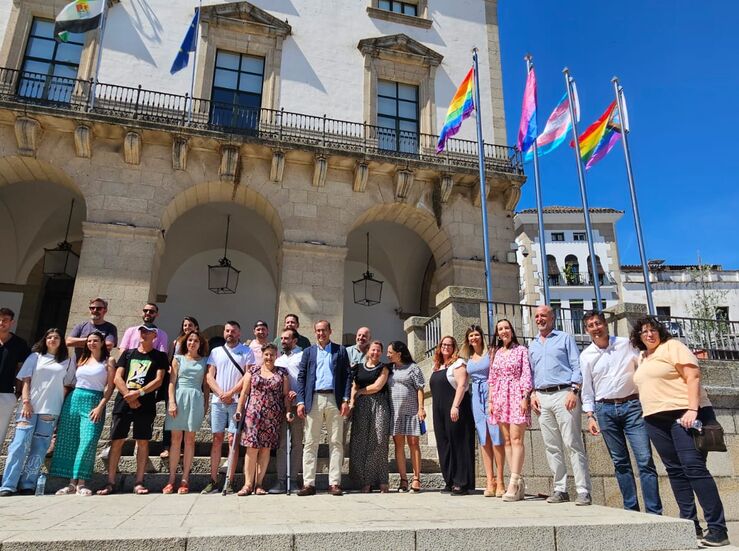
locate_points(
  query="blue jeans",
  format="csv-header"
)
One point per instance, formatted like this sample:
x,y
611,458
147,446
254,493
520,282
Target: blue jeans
x,y
27,451
686,467
619,423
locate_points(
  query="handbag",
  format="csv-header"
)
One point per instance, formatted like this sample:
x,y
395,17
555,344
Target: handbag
x,y
710,438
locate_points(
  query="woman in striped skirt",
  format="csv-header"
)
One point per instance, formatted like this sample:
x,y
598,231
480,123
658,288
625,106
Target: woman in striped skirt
x,y
83,416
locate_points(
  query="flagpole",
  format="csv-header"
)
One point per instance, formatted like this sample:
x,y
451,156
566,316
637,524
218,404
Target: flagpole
x,y
483,197
101,34
583,191
539,208
194,62
618,89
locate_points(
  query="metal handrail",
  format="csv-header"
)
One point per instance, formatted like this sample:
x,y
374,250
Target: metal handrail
x,y
138,103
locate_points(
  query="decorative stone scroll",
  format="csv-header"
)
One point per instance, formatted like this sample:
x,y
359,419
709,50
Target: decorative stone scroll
x,y
132,148
446,183
230,167
83,141
361,175
320,170
403,184
28,135
180,147
277,170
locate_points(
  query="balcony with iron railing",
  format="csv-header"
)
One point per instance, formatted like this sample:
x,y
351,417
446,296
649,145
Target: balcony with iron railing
x,y
113,103
578,280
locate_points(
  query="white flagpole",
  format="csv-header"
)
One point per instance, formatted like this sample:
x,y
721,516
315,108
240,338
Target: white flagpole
x,y
101,35
569,82
539,207
483,197
194,61
623,118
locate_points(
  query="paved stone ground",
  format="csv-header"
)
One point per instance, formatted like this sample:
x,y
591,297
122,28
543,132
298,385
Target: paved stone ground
x,y
429,520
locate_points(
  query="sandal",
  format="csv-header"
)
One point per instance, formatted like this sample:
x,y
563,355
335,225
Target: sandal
x,y
260,491
416,484
67,490
245,491
106,490
184,488
403,485
164,454
168,489
84,491
139,489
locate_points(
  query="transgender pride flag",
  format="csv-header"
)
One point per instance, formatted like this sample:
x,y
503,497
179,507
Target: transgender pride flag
x,y
556,129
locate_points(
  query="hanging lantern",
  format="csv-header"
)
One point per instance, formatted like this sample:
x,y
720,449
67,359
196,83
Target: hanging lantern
x,y
62,262
367,289
223,278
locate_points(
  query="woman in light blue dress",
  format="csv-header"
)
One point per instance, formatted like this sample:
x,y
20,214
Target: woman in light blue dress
x,y
491,442
188,394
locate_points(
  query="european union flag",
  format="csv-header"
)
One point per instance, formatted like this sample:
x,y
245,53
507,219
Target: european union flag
x,y
189,44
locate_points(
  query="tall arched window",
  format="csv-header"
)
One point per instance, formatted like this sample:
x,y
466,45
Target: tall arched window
x,y
552,270
572,270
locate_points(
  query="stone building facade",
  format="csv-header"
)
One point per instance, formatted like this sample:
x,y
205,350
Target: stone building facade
x,y
305,155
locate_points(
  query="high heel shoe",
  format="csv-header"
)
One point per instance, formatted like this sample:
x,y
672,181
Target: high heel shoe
x,y
416,484
519,493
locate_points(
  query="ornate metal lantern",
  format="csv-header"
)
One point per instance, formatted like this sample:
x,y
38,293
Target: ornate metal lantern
x,y
62,262
223,278
367,289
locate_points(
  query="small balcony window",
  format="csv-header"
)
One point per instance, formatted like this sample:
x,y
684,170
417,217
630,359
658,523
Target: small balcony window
x,y
237,90
579,236
558,236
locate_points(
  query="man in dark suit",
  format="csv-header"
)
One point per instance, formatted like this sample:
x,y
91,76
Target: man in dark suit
x,y
324,388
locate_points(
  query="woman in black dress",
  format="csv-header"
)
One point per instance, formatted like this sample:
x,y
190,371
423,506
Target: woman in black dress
x,y
371,413
454,425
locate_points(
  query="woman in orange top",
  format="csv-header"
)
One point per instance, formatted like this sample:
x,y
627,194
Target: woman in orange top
x,y
673,399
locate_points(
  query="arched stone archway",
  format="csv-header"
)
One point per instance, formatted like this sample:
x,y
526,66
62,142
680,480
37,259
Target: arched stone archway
x,y
421,222
35,202
194,225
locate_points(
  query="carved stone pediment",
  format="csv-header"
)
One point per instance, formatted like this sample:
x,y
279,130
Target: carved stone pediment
x,y
245,14
400,47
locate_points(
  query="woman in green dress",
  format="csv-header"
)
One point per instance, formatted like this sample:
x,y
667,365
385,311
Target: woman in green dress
x,y
188,395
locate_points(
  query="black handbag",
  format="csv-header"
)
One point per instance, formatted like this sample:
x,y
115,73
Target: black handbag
x,y
710,438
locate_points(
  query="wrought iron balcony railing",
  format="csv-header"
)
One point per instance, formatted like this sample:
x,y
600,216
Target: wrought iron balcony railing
x,y
578,280
297,129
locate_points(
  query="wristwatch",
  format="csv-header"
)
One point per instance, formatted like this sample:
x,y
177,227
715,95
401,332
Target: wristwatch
x,y
142,392
575,390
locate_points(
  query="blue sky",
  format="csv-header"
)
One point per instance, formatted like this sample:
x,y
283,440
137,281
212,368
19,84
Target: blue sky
x,y
677,62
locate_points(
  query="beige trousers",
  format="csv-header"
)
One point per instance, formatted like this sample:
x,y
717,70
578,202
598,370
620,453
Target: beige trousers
x,y
324,410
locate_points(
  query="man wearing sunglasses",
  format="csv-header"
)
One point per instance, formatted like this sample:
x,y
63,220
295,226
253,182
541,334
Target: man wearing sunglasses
x,y
78,337
132,337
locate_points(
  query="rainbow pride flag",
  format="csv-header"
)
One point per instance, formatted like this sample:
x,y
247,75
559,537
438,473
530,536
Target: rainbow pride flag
x,y
600,137
460,108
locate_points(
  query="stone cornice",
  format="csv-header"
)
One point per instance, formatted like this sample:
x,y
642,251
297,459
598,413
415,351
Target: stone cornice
x,y
402,47
314,249
120,231
246,13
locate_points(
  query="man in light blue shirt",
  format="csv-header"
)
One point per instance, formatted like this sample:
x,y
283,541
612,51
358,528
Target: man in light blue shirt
x,y
555,362
323,391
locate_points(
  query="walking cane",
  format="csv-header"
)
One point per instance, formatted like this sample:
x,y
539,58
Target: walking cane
x,y
289,448
231,464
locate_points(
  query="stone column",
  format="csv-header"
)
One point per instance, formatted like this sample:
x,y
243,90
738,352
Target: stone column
x,y
415,330
460,307
622,317
116,264
312,285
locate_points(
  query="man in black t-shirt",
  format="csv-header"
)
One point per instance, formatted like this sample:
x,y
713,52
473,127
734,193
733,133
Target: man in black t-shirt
x,y
13,352
140,371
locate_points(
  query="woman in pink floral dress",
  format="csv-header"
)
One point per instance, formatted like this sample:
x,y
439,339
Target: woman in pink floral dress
x,y
267,388
510,385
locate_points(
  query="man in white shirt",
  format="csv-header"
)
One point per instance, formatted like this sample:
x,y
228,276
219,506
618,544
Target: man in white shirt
x,y
611,401
290,360
227,366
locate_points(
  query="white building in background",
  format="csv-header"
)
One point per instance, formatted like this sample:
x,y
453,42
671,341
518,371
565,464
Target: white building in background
x,y
674,288
315,123
568,259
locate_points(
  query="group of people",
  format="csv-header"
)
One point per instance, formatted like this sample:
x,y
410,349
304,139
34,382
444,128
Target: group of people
x,y
278,395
